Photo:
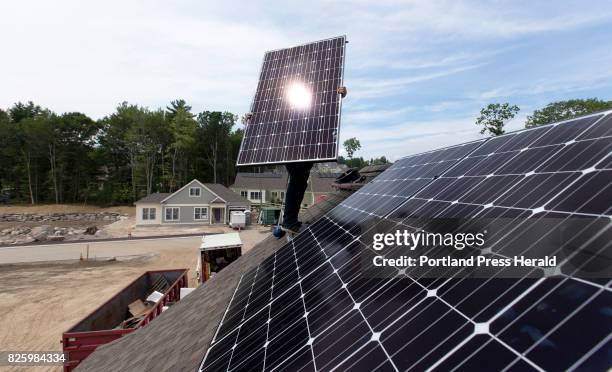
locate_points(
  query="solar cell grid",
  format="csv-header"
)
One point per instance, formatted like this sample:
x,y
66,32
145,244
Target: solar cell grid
x,y
400,181
296,108
334,316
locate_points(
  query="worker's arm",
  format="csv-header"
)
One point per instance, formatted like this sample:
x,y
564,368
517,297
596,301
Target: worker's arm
x,y
247,117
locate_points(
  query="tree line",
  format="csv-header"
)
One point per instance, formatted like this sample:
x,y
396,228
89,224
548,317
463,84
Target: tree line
x,y
71,158
353,145
494,117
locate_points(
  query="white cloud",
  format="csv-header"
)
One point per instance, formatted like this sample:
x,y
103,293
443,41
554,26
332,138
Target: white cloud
x,y
410,137
371,87
478,20
370,116
445,106
89,56
580,81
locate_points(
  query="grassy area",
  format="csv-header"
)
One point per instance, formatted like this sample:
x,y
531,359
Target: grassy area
x,y
64,208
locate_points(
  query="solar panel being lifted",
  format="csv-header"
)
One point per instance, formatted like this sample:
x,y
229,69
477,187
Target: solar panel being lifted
x,y
296,109
312,305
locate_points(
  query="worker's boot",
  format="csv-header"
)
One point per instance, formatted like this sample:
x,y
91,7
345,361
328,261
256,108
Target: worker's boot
x,y
293,228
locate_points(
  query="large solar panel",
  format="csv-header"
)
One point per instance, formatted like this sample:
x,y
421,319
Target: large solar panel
x,y
313,305
296,109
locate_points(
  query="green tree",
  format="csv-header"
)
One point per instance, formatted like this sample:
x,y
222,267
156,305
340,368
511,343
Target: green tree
x,y
379,161
30,142
132,151
235,140
494,117
22,126
75,140
351,145
4,117
183,128
147,137
564,110
135,138
175,106
21,111
115,152
215,129
360,162
6,150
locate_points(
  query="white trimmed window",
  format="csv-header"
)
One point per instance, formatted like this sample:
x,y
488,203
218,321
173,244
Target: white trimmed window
x,y
200,213
148,213
172,214
194,192
244,194
255,195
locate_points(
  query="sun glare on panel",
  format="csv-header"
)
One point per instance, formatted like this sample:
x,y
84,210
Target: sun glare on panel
x,y
299,96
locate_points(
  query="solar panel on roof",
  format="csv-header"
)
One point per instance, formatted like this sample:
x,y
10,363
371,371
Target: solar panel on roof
x,y
312,306
296,109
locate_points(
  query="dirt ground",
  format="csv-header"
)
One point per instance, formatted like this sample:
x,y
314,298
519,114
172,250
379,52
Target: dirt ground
x,y
64,208
121,228
40,301
73,224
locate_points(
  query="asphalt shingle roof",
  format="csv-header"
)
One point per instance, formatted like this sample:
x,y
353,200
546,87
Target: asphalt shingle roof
x,y
226,194
320,182
156,197
265,181
222,191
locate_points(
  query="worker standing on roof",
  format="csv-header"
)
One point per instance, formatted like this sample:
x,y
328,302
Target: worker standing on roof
x,y
296,186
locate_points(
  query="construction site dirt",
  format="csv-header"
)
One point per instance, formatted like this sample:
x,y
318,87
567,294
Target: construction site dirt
x,y
39,301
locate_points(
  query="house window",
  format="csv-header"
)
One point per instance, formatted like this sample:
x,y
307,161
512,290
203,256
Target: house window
x,y
278,195
172,214
200,213
244,194
194,192
148,213
255,195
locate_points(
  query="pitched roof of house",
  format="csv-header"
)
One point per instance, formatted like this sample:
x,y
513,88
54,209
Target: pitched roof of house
x,y
320,182
226,194
265,181
178,339
156,197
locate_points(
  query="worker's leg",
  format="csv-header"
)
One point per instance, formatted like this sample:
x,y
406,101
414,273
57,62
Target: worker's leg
x,y
298,182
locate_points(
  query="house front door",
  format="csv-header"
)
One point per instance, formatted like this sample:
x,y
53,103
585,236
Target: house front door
x,y
217,215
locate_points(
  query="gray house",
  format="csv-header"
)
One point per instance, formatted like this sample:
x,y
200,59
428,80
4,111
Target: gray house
x,y
269,187
194,203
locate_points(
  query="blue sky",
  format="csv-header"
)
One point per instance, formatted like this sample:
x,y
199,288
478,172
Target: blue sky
x,y
417,72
